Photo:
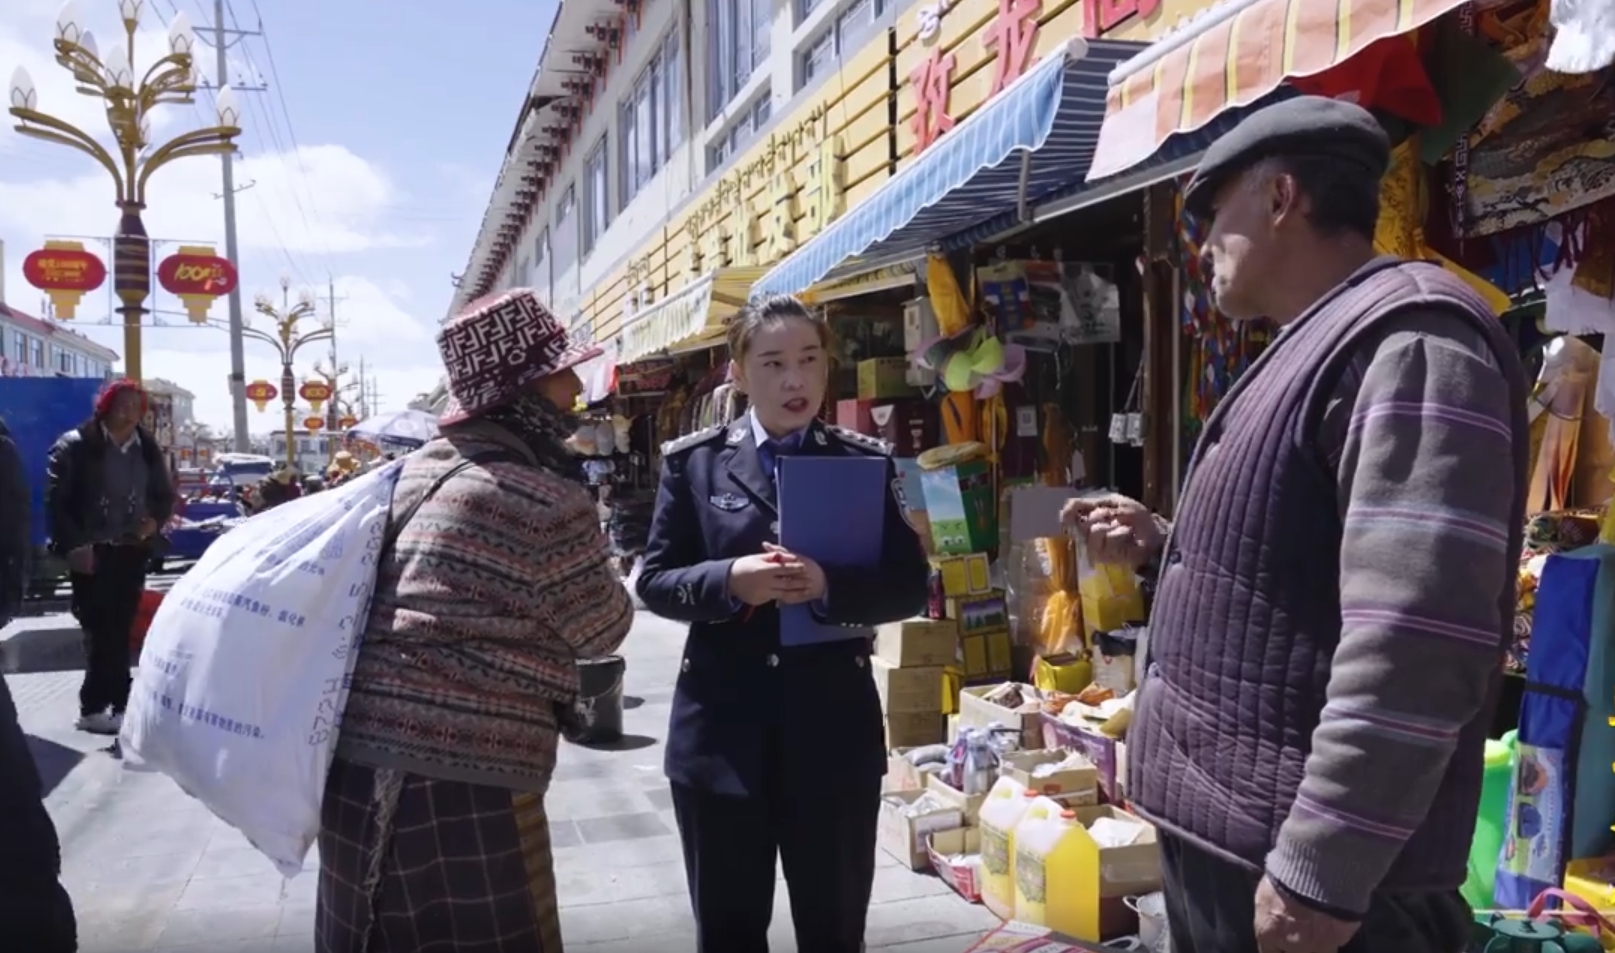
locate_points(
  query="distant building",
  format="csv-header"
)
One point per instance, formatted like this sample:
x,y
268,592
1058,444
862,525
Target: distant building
x,y
184,401
34,347
313,451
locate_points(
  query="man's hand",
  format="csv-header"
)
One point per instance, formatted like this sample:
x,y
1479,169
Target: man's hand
x,y
807,573
1115,529
1285,926
763,578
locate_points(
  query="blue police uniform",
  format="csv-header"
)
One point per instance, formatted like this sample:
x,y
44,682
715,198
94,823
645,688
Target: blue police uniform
x,y
771,751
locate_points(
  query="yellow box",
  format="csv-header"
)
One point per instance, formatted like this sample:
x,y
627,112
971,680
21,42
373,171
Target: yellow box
x,y
884,377
982,613
962,575
911,729
1069,673
985,655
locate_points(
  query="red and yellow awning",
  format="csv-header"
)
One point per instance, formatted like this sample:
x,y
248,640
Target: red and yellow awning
x,y
1233,55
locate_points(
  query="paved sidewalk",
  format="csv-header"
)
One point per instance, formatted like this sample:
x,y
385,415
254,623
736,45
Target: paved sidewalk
x,y
151,870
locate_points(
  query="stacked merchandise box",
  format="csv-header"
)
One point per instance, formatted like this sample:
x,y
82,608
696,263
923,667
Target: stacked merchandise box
x,y
910,658
962,595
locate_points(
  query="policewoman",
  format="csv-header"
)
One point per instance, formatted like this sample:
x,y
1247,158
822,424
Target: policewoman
x,y
772,752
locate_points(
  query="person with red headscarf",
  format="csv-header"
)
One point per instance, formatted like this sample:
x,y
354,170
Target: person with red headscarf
x,y
108,493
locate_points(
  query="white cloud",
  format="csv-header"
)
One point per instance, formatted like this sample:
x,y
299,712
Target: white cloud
x,y
306,212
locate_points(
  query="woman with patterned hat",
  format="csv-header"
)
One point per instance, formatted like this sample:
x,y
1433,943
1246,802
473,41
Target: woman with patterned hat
x,y
433,832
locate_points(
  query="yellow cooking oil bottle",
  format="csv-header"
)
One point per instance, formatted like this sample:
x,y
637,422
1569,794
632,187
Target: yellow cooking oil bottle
x,y
1050,857
1000,812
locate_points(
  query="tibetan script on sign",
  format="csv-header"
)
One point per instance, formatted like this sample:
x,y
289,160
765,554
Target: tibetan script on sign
x,y
933,87
827,186
1012,37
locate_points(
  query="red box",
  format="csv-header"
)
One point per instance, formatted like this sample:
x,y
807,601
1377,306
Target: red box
x,y
910,426
854,415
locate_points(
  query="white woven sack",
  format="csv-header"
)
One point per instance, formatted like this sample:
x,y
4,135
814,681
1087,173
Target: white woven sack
x,y
245,670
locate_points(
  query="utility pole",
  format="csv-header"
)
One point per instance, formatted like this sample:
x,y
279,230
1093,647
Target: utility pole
x,y
222,39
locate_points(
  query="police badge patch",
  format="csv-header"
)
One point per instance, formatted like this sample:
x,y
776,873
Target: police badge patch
x,y
729,502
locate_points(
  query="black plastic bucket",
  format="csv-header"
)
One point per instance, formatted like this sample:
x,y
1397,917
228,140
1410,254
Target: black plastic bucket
x,y
597,718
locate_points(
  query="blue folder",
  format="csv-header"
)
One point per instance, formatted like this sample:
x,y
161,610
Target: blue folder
x,y
833,511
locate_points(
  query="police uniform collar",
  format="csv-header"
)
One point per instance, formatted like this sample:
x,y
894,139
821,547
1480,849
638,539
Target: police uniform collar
x,y
689,440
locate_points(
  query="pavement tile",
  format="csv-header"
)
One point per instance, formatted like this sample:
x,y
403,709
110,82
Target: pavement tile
x,y
153,871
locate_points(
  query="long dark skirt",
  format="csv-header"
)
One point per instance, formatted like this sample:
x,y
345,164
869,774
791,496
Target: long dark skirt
x,y
413,865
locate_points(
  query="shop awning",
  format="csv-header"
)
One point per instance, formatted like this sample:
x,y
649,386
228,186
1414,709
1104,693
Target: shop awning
x,y
1233,55
689,320
1030,140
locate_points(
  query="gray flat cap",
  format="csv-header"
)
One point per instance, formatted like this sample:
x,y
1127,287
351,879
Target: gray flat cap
x,y
1303,126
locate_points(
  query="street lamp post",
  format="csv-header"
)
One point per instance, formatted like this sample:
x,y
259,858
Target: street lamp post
x,y
335,404
129,102
286,342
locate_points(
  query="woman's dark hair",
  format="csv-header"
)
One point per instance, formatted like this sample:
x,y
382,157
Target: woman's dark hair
x,y
768,310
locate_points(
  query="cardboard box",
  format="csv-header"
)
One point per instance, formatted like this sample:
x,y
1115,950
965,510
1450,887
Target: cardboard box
x,y
968,804
1074,785
901,775
884,378
854,415
983,613
918,642
964,514
1105,753
910,729
963,876
986,655
910,426
903,836
966,575
976,712
907,689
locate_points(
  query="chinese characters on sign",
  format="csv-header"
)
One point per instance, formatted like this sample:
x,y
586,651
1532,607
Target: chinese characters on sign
x,y
1101,16
197,276
65,272
933,87
1012,35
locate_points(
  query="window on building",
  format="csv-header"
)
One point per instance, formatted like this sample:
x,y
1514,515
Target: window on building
x,y
738,37
39,354
596,196
740,133
64,361
540,279
652,120
564,250
841,38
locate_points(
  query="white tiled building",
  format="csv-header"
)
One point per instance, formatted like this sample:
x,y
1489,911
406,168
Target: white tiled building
x,y
34,347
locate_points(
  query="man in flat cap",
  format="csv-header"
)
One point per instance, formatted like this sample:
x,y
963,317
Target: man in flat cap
x,y
1334,595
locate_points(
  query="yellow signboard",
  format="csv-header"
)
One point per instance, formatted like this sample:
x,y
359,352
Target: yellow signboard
x,y
952,57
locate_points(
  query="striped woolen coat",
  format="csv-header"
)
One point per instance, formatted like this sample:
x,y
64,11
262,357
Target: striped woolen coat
x,y
493,591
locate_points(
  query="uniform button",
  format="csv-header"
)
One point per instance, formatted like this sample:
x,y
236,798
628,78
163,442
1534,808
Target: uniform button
x,y
773,660
684,666
858,660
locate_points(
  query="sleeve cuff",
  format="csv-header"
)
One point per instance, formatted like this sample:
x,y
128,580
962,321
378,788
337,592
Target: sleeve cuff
x,y
1340,883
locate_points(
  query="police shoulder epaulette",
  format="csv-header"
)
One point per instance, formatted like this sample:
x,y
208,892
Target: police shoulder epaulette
x,y
862,441
689,440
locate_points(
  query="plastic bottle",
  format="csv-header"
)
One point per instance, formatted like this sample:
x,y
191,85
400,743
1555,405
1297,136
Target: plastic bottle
x,y
1000,812
1050,848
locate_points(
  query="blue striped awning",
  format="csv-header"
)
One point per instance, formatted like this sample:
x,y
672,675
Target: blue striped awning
x,y
1031,140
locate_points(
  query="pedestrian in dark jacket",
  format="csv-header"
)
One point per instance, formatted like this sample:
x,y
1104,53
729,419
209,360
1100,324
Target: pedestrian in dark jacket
x,y
35,912
15,520
107,496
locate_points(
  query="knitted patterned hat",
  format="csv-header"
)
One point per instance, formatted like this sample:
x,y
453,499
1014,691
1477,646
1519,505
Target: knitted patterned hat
x,y
109,393
497,346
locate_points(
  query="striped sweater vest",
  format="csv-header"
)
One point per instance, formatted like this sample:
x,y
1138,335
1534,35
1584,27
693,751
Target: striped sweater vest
x,y
1247,611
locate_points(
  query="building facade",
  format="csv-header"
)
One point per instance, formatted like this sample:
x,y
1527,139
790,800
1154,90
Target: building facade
x,y
667,153
313,452
181,400
34,347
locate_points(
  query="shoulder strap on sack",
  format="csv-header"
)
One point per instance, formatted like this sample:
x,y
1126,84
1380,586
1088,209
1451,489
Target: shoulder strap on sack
x,y
396,523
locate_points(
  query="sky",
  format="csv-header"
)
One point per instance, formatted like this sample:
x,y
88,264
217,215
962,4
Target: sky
x,y
365,166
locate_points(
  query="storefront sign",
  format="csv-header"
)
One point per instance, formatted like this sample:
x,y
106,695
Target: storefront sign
x,y
197,276
65,272
261,393
312,423
1011,37
722,230
1101,16
933,87
316,393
